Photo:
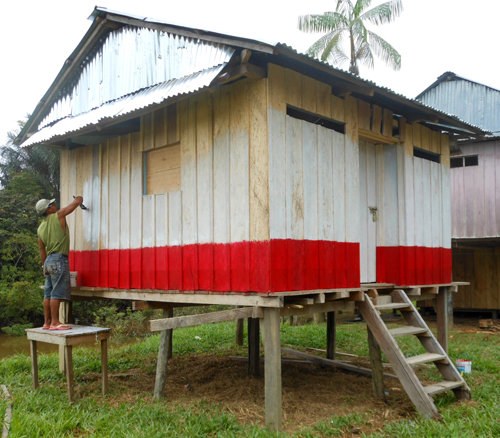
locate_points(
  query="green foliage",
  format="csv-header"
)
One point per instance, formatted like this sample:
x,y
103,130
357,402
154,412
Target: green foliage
x,y
346,37
17,329
21,302
125,323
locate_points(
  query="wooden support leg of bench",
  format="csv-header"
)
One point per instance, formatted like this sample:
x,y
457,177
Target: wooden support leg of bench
x,y
164,353
377,367
34,364
68,356
104,365
272,368
253,347
330,335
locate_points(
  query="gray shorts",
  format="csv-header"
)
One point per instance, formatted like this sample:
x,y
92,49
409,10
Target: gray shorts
x,y
57,283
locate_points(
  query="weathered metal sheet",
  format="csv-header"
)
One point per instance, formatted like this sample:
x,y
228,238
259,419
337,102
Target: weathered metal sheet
x,y
126,105
131,59
472,102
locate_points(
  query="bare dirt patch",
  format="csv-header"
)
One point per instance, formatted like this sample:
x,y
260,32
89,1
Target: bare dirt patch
x,y
311,393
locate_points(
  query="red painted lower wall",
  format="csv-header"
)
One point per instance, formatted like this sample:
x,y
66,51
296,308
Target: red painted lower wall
x,y
413,265
268,266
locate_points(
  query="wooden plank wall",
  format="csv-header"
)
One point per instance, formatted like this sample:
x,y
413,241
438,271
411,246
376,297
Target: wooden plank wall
x,y
414,233
195,238
313,186
481,267
476,193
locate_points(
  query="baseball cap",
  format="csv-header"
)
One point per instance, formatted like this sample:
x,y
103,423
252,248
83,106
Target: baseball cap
x,y
42,204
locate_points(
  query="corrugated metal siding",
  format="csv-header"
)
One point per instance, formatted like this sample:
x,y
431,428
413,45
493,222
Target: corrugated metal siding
x,y
472,102
131,59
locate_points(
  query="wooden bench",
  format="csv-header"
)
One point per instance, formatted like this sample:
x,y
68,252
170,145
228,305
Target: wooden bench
x,y
78,335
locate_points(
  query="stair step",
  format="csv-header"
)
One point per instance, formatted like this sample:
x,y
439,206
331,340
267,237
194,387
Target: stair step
x,y
424,358
407,330
443,386
392,306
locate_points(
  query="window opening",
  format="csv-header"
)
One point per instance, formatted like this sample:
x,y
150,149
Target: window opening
x,y
426,155
307,116
464,161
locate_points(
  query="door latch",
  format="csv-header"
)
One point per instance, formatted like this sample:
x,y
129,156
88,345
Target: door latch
x,y
373,211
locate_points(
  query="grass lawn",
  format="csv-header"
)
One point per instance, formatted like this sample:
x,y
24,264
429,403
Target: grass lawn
x,y
130,411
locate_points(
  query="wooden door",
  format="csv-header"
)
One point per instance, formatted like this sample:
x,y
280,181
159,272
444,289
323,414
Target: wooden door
x,y
368,212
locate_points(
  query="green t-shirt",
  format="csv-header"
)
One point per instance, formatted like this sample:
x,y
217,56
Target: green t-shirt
x,y
56,240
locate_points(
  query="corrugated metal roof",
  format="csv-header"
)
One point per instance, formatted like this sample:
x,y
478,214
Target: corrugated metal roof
x,y
476,103
126,105
131,59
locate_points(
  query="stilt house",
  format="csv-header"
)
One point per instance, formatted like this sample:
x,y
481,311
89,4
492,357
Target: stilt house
x,y
475,189
217,163
251,175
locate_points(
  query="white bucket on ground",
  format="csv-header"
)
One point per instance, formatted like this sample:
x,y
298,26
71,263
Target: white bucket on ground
x,y
464,366
73,278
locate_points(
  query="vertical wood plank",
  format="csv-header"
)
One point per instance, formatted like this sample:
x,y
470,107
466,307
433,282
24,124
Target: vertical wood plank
x,y
221,167
310,180
259,161
338,108
188,172
239,164
376,365
68,357
277,152
272,368
204,166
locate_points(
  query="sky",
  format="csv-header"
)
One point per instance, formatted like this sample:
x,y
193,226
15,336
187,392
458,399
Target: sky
x,y
432,36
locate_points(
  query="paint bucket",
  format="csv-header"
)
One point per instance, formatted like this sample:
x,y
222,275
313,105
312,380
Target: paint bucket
x,y
73,278
464,366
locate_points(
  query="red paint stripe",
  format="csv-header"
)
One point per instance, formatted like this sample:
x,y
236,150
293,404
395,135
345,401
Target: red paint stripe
x,y
136,268
148,268
413,265
240,266
260,253
206,266
279,259
190,267
124,272
222,267
269,266
161,268
175,267
113,267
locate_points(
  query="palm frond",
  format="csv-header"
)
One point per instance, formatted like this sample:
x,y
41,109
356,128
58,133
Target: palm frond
x,y
365,55
321,23
338,56
360,6
332,47
384,50
344,7
319,46
383,13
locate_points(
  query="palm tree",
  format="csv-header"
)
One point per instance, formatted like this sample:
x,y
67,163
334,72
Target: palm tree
x,y
349,20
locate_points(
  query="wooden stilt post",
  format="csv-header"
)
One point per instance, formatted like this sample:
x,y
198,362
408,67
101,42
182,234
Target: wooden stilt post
x,y
164,353
377,367
253,347
330,335
444,314
272,367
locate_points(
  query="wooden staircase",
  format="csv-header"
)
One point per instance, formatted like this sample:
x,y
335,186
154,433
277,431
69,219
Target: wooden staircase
x,y
403,366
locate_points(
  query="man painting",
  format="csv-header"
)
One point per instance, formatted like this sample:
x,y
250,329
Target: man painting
x,y
53,242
